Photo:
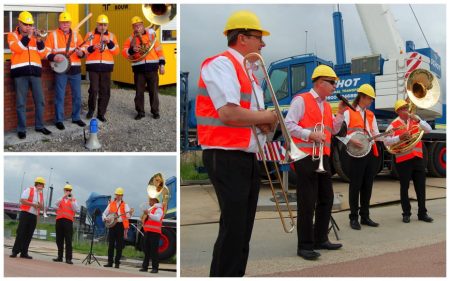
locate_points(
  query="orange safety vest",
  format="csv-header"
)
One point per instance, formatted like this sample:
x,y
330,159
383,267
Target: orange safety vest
x,y
417,150
113,209
311,117
27,208
97,57
154,56
213,132
56,43
151,225
65,210
24,57
356,124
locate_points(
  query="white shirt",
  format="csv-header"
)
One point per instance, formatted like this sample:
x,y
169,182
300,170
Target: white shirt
x,y
223,87
74,203
296,113
390,140
361,111
119,213
158,213
26,194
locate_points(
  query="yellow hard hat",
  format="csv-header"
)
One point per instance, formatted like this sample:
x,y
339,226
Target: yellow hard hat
x,y
244,20
67,187
325,71
136,19
65,16
39,180
367,89
400,103
102,19
119,191
26,17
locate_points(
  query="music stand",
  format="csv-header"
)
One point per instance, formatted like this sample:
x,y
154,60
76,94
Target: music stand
x,y
90,258
334,226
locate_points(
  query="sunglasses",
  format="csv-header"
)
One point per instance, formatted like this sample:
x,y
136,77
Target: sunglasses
x,y
332,82
259,37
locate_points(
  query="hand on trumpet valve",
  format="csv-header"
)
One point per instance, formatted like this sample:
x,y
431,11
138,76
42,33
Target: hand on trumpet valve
x,y
317,136
405,136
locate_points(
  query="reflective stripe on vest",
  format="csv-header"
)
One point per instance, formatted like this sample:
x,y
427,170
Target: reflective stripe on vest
x,y
151,225
356,124
27,208
415,151
212,131
312,115
113,209
65,210
105,57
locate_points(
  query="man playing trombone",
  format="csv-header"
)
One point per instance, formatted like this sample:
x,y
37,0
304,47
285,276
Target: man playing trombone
x,y
225,110
311,124
65,213
31,203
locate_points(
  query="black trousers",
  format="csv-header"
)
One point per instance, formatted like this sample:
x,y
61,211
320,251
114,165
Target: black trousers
x,y
100,86
24,233
64,232
235,177
362,174
314,198
151,246
412,169
115,241
152,81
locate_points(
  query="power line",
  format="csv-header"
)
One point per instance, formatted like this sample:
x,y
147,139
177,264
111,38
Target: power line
x,y
418,23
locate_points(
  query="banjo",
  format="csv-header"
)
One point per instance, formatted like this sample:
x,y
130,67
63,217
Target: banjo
x,y
64,65
366,141
112,218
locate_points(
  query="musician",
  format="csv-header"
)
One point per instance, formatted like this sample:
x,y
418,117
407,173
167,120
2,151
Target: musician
x,y
26,69
226,109
66,209
119,231
64,40
31,203
152,223
362,172
100,64
409,164
146,70
163,197
314,190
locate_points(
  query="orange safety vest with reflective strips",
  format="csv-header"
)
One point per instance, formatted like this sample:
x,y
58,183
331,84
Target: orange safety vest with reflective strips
x,y
65,210
154,56
213,132
113,209
417,150
151,225
27,208
97,57
311,117
356,124
56,44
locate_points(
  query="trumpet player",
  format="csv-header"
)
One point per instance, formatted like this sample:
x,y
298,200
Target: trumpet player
x,y
152,223
65,213
145,70
225,111
314,189
100,63
409,164
118,232
31,203
27,49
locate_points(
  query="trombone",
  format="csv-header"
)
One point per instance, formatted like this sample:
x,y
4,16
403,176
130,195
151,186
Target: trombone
x,y
252,62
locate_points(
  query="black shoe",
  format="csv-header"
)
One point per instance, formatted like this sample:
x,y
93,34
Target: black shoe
x,y
60,126
406,219
69,261
139,116
308,254
108,265
26,257
116,265
143,269
328,246
22,135
89,115
45,131
425,218
355,225
79,123
57,260
156,116
13,255
154,270
369,222
101,118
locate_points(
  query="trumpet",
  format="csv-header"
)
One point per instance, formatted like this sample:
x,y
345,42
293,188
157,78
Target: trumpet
x,y
317,153
102,43
40,34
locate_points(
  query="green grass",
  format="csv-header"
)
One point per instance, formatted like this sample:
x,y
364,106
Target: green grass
x,y
188,172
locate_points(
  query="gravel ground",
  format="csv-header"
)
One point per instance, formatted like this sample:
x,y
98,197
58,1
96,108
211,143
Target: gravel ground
x,y
120,133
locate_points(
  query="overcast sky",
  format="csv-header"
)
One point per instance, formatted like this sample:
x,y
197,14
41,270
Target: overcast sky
x,y
102,174
202,26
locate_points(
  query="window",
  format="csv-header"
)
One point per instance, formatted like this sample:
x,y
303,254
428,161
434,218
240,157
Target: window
x,y
298,78
278,78
169,31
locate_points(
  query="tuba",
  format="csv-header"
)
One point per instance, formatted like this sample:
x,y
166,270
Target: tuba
x,y
423,91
